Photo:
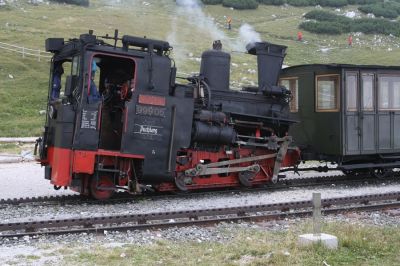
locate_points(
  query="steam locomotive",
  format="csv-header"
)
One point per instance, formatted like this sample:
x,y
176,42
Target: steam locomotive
x,y
146,131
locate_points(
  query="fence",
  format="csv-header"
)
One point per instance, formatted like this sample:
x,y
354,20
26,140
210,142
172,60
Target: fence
x,y
25,51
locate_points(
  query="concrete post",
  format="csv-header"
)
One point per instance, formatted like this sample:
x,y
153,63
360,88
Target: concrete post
x,y
316,198
329,241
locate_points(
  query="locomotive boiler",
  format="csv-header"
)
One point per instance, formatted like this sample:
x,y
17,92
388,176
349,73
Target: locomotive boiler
x,y
122,122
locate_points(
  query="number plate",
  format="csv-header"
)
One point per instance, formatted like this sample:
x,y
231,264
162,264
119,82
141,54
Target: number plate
x,y
150,110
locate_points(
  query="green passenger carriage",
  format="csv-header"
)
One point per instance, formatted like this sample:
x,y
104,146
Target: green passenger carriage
x,y
348,114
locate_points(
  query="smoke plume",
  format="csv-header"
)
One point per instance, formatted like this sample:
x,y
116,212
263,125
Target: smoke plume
x,y
192,9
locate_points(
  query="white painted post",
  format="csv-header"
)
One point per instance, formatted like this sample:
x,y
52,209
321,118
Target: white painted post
x,y
23,52
317,214
39,55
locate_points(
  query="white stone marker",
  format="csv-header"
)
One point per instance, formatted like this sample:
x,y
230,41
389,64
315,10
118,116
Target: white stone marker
x,y
329,241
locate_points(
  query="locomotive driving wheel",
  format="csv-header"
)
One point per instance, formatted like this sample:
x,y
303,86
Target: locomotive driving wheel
x,y
101,188
181,182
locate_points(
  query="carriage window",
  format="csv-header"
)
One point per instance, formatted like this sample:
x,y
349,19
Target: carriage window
x,y
367,92
292,84
327,90
351,92
389,93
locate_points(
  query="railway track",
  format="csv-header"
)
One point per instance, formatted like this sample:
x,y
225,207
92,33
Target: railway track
x,y
282,184
275,211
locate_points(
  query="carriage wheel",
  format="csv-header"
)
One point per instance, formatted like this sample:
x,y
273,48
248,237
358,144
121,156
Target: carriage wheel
x,y
103,188
380,172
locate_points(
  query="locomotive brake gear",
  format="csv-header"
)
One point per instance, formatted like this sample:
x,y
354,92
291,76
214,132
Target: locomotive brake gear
x,y
280,156
246,177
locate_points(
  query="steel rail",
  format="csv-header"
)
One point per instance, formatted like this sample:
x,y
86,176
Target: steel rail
x,y
282,184
202,216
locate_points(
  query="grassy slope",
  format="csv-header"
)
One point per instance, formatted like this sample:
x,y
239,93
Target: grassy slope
x,y
22,97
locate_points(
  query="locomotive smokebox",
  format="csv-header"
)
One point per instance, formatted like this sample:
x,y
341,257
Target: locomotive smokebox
x,y
215,67
269,61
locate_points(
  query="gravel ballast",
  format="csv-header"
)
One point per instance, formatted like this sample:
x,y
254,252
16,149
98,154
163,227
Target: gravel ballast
x,y
28,181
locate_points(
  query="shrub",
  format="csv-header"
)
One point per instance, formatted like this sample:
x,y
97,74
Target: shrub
x,y
325,16
387,10
363,2
322,27
272,2
240,4
302,2
73,2
5,8
211,2
330,23
333,3
376,26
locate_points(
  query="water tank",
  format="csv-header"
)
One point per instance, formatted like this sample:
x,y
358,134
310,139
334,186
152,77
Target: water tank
x,y
215,68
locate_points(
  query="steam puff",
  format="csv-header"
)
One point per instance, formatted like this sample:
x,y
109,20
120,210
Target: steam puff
x,y
248,34
188,3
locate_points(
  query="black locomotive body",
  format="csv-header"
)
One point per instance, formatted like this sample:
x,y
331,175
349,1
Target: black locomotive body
x,y
130,126
349,115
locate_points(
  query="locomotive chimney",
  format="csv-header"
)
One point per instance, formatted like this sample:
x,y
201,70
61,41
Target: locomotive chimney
x,y
269,61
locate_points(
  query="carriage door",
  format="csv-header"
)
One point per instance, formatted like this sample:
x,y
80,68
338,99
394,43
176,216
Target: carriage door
x,y
352,129
388,112
367,114
359,113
